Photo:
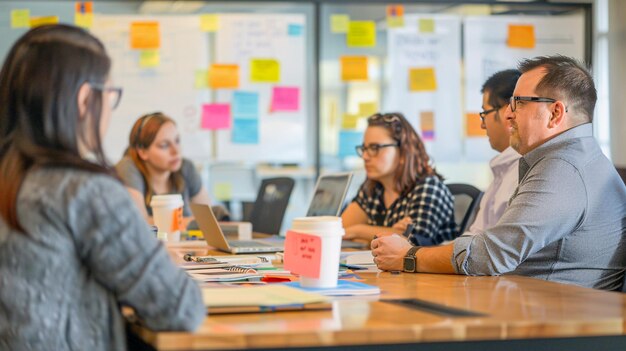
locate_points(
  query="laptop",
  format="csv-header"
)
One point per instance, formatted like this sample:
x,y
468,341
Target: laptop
x,y
215,237
329,193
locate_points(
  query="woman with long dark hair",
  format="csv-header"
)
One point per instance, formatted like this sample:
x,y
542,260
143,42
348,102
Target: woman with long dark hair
x,y
73,246
403,193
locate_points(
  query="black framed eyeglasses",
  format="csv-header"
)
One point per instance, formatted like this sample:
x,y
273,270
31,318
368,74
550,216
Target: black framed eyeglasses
x,y
373,149
514,99
115,93
485,113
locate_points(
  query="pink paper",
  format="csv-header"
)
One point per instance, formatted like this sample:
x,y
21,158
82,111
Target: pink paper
x,y
215,116
303,254
286,99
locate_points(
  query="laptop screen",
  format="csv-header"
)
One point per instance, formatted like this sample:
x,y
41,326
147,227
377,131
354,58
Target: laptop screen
x,y
329,194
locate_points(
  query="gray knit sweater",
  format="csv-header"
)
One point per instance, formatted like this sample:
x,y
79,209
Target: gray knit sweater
x,y
87,252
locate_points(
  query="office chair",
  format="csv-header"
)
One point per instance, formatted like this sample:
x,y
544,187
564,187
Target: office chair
x,y
268,210
466,201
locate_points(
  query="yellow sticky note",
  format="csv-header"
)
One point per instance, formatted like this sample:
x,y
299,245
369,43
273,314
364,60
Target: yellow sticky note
x,y
353,68
223,191
264,71
40,21
521,36
426,25
201,79
145,35
361,34
209,23
339,23
84,20
395,16
472,126
20,18
149,58
422,79
349,121
367,109
224,76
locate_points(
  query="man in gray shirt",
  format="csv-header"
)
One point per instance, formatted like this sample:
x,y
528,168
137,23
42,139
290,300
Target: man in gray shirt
x,y
566,221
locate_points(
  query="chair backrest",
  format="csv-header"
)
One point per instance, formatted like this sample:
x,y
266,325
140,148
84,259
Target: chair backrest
x,y
466,200
271,203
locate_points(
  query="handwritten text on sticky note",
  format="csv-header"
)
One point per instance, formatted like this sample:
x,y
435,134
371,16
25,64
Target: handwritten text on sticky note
x,y
224,76
361,34
145,35
303,254
264,71
215,116
285,99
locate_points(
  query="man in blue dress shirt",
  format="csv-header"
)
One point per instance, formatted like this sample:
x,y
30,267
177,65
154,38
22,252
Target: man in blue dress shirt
x,y
566,221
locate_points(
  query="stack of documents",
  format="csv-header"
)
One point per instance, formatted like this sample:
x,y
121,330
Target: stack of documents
x,y
266,298
229,268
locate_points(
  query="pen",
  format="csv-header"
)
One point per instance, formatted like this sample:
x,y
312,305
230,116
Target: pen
x,y
409,230
192,258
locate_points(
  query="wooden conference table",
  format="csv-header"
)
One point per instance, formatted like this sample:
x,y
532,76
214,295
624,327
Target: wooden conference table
x,y
517,311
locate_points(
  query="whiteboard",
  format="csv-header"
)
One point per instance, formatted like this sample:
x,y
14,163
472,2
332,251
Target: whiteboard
x,y
486,52
441,49
242,37
168,88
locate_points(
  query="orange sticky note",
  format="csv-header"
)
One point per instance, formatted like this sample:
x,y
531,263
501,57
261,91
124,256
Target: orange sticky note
x,y
303,254
427,125
472,126
422,79
84,7
40,21
224,76
145,35
395,16
521,36
353,68
177,220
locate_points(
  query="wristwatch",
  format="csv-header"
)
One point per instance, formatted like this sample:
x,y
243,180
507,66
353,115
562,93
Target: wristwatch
x,y
410,262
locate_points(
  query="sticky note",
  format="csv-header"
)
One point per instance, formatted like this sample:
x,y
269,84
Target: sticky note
x,y
349,121
245,131
395,16
426,25
361,34
264,71
367,109
354,68
145,35
177,220
201,79
285,99
294,30
84,20
303,254
20,18
224,76
40,21
149,58
521,36
472,126
339,23
223,191
422,79
245,105
83,7
348,140
427,125
215,116
209,23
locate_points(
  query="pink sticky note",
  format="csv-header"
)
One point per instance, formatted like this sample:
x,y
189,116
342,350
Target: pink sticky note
x,y
286,99
303,254
215,116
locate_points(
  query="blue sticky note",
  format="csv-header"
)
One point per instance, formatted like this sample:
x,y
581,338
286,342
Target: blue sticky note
x,y
245,105
294,30
245,131
348,140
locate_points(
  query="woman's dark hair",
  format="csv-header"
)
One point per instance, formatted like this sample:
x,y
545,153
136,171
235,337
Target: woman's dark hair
x,y
40,124
414,164
141,136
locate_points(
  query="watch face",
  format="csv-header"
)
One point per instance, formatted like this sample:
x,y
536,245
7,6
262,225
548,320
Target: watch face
x,y
409,264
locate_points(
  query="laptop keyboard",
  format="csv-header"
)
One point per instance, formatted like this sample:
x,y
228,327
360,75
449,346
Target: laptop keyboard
x,y
244,243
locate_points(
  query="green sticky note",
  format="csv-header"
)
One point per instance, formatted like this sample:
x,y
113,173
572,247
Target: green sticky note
x,y
339,23
201,79
426,25
149,58
223,191
20,18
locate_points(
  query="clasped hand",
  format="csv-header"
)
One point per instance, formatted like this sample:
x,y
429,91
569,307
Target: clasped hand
x,y
389,251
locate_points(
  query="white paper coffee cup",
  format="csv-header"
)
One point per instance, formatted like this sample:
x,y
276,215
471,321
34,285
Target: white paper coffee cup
x,y
167,212
330,230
